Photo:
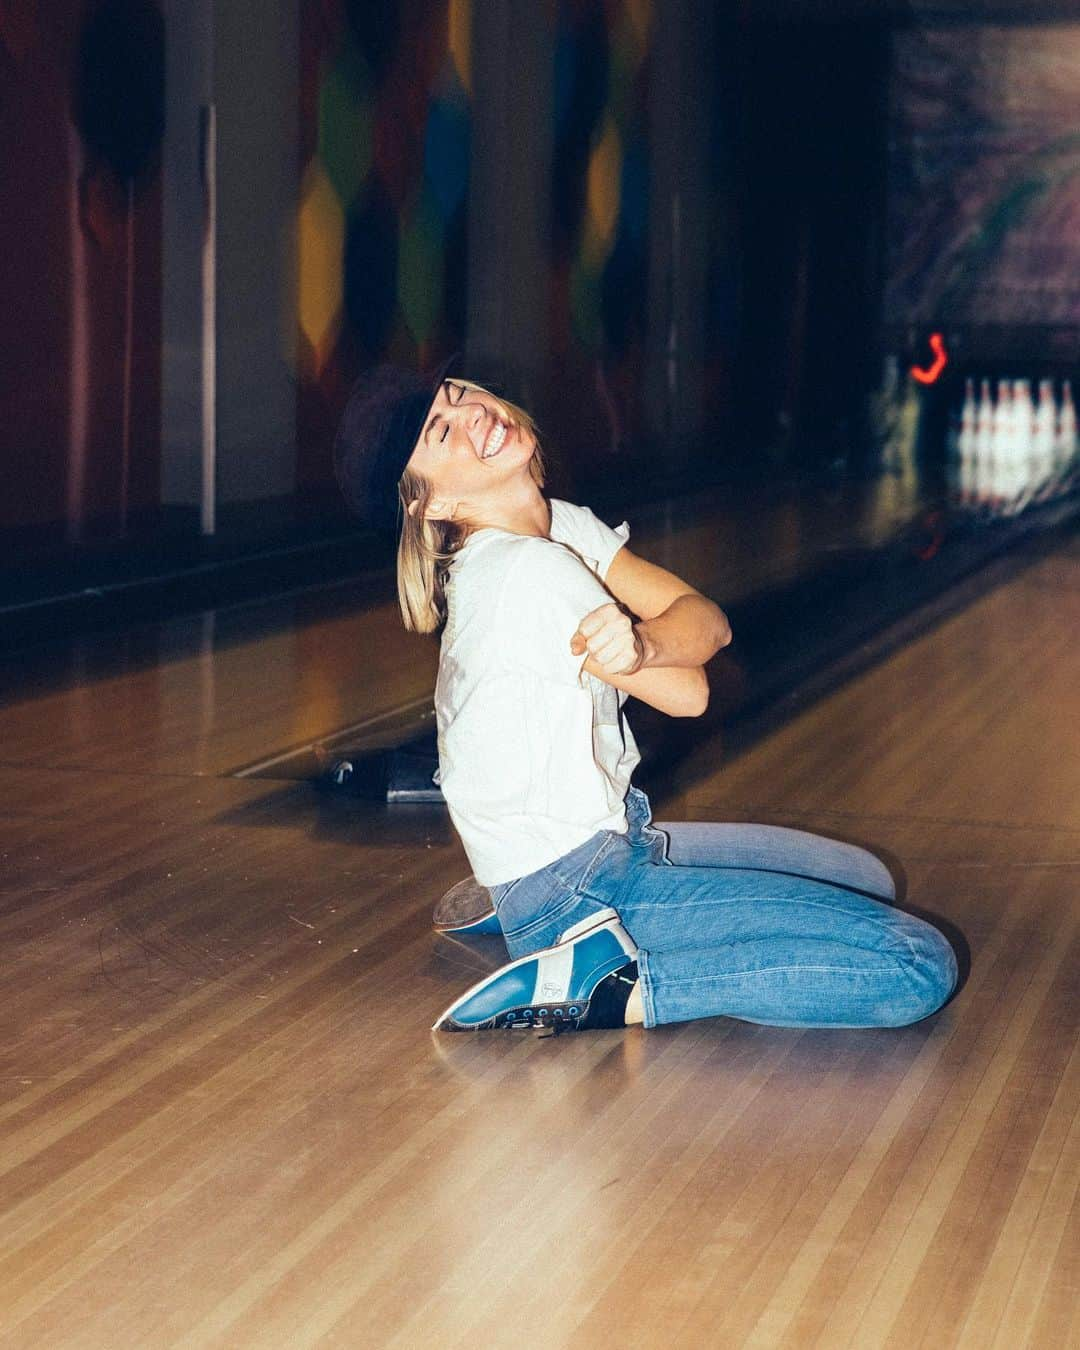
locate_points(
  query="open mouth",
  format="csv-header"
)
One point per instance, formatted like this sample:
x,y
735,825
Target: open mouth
x,y
496,440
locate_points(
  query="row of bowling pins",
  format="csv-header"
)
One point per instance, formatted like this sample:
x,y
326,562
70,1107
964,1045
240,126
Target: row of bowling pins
x,y
1012,451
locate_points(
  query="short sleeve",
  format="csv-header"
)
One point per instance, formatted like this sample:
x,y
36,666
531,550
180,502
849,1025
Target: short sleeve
x,y
546,594
592,540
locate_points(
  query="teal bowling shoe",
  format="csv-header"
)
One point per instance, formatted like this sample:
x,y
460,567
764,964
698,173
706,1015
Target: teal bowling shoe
x,y
582,982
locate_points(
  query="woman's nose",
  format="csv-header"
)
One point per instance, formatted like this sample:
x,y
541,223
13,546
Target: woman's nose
x,y
473,416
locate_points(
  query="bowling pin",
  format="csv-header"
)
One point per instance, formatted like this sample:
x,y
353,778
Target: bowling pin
x,y
1065,447
1043,466
984,446
1023,484
1004,449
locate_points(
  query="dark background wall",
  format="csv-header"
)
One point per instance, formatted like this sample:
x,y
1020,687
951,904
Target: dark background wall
x,y
812,199
664,226
80,263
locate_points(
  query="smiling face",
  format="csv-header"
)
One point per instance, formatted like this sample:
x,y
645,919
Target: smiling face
x,y
472,452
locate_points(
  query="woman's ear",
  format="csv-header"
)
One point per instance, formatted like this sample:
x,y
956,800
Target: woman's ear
x,y
438,508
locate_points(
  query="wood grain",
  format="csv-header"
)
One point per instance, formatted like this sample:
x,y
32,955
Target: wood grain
x,y
225,1123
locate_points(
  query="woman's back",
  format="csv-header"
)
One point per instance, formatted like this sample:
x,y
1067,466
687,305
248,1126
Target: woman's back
x,y
534,754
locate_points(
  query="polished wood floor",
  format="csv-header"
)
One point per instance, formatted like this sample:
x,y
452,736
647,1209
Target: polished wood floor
x,y
225,1123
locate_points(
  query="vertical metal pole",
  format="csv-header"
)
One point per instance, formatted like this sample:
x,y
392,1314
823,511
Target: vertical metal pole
x,y
208,165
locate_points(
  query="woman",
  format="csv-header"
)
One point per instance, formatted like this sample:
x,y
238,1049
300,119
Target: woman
x,y
608,919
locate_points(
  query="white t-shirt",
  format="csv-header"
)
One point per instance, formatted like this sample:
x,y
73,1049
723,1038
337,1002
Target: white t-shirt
x,y
534,753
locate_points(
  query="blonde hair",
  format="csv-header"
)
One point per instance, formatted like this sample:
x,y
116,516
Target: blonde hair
x,y
426,547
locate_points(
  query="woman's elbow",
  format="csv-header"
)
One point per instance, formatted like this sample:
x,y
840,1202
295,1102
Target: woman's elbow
x,y
723,629
695,697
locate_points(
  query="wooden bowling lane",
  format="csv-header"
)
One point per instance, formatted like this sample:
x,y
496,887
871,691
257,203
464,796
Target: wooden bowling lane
x,y
211,693
948,728
226,691
225,1123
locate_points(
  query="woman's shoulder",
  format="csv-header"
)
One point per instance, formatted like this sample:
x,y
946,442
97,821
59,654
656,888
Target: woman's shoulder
x,y
579,528
570,515
519,582
491,544
491,558
497,558
530,552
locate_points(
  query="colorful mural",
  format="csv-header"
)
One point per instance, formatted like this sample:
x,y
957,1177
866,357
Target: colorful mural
x,y
384,133
599,222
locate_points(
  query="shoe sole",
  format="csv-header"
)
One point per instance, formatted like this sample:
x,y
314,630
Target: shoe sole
x,y
486,923
577,930
479,916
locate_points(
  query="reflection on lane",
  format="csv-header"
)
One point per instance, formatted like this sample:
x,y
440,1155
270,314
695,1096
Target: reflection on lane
x,y
215,692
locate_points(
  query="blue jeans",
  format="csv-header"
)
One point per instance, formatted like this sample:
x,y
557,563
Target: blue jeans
x,y
751,921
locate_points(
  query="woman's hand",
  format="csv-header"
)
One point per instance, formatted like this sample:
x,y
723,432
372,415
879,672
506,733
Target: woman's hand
x,y
609,637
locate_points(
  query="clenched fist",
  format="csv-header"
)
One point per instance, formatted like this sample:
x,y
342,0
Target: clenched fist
x,y
608,635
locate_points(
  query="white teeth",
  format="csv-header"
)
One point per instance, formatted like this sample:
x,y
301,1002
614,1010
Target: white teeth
x,y
495,441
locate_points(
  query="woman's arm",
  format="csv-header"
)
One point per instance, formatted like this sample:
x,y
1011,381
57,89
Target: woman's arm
x,y
545,587
659,659
679,691
677,625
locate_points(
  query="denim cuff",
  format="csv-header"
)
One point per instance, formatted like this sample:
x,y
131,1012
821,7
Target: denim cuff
x,y
645,981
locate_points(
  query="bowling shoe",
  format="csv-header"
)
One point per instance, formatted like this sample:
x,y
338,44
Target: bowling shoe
x,y
582,982
466,910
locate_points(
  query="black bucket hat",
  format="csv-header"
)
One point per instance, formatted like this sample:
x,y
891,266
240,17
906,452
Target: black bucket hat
x,y
380,426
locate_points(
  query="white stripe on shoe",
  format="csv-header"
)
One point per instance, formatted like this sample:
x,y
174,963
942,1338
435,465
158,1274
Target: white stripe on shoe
x,y
566,940
553,971
594,921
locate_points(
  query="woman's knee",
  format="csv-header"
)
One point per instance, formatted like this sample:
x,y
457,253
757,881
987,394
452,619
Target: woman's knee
x,y
931,971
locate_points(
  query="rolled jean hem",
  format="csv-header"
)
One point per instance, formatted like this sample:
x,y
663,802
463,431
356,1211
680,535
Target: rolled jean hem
x,y
645,981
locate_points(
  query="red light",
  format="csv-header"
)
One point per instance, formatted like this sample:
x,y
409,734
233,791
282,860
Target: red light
x,y
931,373
930,536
